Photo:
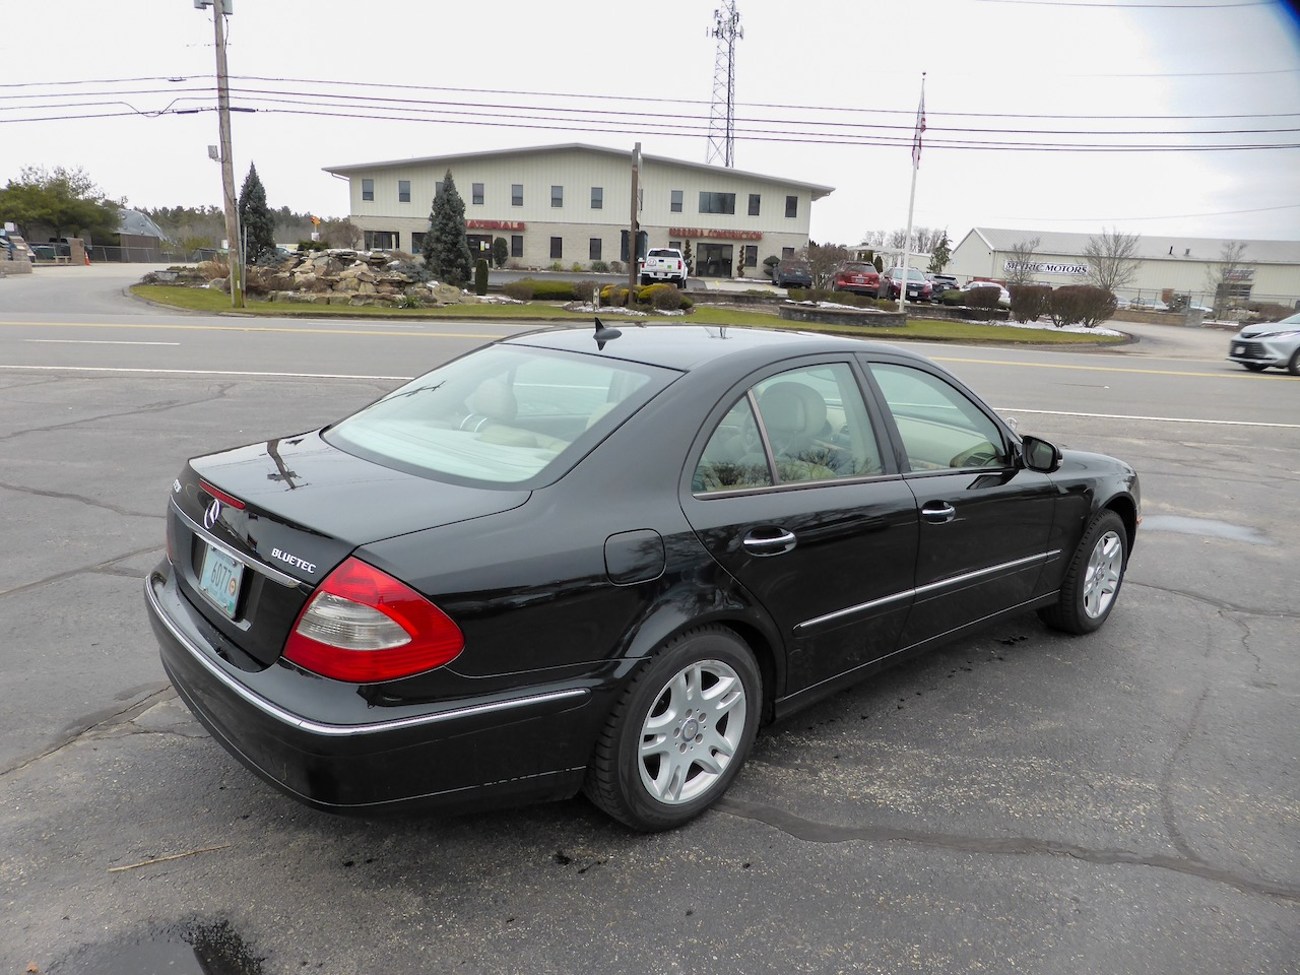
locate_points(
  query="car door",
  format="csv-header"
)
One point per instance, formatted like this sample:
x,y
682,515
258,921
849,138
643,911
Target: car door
x,y
790,492
985,520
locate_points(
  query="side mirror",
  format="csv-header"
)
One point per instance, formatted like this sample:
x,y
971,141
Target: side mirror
x,y
1040,455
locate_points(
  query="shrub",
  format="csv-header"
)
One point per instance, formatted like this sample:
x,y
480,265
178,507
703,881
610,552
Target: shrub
x,y
599,267
519,290
311,245
614,295
615,267
480,277
1085,304
1029,302
583,290
500,251
553,290
953,297
412,270
668,299
769,264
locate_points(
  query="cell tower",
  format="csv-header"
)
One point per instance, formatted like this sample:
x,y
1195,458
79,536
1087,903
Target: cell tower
x,y
722,113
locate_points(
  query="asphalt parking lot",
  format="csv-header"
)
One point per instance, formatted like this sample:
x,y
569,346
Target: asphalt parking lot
x,y
1017,802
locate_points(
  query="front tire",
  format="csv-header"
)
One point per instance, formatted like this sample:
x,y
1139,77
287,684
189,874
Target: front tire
x,y
680,732
1093,579
1293,366
1255,366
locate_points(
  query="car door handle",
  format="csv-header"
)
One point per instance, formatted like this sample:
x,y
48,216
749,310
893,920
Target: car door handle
x,y
938,512
770,541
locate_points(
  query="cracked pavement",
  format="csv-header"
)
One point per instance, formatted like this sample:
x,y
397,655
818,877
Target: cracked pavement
x,y
1017,802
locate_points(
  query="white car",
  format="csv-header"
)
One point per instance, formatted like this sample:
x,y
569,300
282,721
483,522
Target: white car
x,y
1267,344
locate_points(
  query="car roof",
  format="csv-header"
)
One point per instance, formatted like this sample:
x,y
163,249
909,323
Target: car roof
x,y
687,347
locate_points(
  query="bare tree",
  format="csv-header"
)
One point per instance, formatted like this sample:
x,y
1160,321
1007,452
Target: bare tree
x,y
1228,272
873,238
1112,259
822,260
1021,261
897,238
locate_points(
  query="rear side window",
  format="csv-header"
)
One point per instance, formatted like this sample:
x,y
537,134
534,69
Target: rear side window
x,y
500,415
801,426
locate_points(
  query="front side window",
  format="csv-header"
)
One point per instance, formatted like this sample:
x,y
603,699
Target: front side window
x,y
557,247
367,189
597,197
675,201
403,191
557,196
516,194
754,202
941,428
805,425
717,202
792,206
500,415
476,190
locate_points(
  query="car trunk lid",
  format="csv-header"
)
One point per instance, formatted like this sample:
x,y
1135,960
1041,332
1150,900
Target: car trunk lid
x,y
252,531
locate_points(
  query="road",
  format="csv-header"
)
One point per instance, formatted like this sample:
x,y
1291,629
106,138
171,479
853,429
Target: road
x,y
1018,802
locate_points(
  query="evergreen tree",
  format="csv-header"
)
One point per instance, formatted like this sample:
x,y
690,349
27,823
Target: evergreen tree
x,y
256,222
446,251
941,254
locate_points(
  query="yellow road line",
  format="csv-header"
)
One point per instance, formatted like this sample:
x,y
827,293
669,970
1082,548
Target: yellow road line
x,y
255,328
1226,374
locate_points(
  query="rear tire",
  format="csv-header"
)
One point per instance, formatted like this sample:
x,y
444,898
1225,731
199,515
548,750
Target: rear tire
x,y
1293,366
680,732
1093,579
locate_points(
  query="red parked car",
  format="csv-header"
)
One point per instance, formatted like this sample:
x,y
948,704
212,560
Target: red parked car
x,y
857,277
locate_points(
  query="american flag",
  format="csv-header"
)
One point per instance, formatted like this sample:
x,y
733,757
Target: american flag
x,y
920,127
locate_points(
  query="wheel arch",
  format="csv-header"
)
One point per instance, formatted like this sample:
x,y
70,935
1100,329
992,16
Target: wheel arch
x,y
1124,506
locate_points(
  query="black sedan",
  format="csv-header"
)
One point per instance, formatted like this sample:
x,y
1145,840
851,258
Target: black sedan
x,y
578,560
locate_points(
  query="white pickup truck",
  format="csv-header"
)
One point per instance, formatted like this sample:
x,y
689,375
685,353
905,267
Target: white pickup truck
x,y
663,264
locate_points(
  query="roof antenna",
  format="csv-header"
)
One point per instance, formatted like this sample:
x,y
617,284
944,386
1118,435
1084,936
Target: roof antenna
x,y
604,334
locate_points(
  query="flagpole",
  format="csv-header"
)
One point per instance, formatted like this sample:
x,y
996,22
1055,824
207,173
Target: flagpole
x,y
911,199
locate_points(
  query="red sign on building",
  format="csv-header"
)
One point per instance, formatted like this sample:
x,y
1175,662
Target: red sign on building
x,y
717,234
494,225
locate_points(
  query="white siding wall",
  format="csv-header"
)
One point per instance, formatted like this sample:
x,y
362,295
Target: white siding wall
x,y
576,222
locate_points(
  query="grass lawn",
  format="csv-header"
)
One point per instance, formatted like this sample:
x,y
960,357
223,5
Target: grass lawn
x,y
923,329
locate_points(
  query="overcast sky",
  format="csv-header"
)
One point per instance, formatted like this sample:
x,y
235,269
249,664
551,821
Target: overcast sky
x,y
826,93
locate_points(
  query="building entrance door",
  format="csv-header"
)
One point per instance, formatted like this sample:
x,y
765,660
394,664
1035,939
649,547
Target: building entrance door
x,y
713,260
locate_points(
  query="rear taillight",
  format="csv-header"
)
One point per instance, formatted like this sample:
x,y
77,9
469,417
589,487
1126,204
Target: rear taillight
x,y
363,626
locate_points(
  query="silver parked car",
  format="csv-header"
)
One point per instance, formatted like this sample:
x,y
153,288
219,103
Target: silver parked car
x,y
1267,344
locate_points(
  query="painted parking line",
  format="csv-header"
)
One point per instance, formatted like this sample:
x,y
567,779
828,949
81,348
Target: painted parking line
x,y
95,342
1224,374
1011,411
204,372
368,332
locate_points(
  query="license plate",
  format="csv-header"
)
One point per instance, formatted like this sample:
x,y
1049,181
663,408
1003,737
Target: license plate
x,y
220,579
1238,350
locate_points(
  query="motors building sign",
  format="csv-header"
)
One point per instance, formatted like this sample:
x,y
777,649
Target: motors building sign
x,y
1043,267
494,225
698,232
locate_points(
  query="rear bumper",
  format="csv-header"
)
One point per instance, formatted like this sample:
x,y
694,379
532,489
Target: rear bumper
x,y
351,755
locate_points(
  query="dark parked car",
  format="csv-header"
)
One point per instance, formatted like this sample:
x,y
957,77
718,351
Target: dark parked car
x,y
573,561
918,288
940,283
792,273
1267,344
859,278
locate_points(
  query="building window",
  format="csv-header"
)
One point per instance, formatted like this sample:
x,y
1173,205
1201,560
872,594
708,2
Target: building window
x,y
787,252
593,249
516,194
403,191
675,244
381,240
367,189
754,201
516,245
557,248
751,255
792,206
598,197
557,196
438,187
417,241
477,190
717,202
676,204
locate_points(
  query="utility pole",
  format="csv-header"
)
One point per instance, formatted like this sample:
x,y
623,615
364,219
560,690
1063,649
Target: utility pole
x,y
234,252
634,224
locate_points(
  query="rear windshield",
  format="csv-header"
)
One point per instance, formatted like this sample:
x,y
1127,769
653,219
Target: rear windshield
x,y
860,268
660,252
500,415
